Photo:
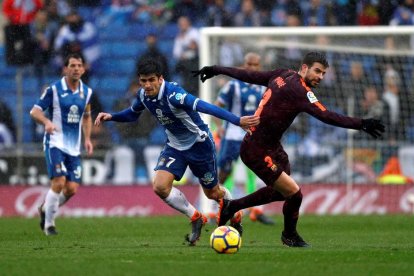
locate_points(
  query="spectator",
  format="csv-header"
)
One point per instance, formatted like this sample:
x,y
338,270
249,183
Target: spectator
x,y
154,52
248,16
20,12
353,84
231,52
193,10
371,106
43,32
19,45
282,9
403,14
218,15
186,53
157,12
368,14
78,36
393,101
315,13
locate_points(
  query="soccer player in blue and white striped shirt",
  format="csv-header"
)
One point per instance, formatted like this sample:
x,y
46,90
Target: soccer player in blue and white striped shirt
x,y
189,141
68,104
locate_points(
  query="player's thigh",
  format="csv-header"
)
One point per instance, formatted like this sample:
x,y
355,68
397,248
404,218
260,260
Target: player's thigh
x,y
267,164
55,163
172,161
229,153
73,166
202,162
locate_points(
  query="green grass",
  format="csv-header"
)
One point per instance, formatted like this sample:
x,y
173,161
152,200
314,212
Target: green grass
x,y
341,245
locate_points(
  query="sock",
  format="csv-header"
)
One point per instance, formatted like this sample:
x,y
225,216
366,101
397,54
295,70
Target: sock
x,y
177,200
51,206
260,197
291,212
63,199
227,194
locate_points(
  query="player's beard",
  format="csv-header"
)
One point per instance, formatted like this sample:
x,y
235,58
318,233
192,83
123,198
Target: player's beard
x,y
310,83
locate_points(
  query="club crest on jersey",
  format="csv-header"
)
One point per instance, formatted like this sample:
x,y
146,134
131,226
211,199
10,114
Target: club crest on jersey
x,y
161,162
207,178
312,98
180,97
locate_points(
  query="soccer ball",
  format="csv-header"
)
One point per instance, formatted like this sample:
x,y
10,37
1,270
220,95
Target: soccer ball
x,y
225,239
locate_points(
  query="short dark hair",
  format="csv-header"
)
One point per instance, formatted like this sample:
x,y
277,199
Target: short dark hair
x,y
75,56
149,66
312,57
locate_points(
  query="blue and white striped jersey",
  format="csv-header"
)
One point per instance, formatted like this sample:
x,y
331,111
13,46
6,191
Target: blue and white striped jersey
x,y
66,109
175,110
241,99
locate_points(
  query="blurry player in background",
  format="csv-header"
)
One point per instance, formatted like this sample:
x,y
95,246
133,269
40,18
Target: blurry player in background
x,y
289,93
69,113
241,99
189,140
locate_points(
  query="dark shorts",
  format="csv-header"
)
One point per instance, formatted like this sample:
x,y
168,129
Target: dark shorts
x,y
200,158
229,153
60,163
267,163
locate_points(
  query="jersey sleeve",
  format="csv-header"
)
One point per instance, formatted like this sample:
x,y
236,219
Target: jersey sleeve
x,y
311,105
254,77
226,94
182,99
46,99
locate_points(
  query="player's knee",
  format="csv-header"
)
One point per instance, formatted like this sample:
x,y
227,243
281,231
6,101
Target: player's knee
x,y
58,184
70,189
214,194
160,189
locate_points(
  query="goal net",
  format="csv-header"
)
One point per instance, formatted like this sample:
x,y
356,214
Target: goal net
x,y
371,75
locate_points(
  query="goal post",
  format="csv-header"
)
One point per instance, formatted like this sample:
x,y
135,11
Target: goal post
x,y
365,63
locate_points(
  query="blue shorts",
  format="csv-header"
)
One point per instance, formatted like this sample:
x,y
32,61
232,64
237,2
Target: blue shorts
x,y
62,164
201,158
229,153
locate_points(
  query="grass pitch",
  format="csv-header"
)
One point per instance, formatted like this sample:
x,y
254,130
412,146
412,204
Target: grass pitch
x,y
341,245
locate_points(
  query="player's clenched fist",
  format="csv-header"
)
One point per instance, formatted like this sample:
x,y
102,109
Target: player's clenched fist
x,y
102,116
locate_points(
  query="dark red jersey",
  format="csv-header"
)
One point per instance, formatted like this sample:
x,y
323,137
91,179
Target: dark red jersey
x,y
287,95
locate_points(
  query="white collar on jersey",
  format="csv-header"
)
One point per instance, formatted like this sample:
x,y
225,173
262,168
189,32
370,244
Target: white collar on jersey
x,y
162,89
65,86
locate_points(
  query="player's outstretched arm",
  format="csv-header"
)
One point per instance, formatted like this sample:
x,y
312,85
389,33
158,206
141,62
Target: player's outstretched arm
x,y
373,127
102,117
124,116
250,76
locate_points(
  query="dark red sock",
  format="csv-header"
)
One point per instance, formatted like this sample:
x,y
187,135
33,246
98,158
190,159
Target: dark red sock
x,y
260,197
291,212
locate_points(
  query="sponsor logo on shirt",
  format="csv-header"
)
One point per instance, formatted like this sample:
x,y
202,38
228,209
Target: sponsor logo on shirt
x,y
73,116
311,97
64,95
164,120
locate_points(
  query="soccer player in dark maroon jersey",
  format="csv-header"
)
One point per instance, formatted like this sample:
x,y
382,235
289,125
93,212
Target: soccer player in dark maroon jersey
x,y
288,94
